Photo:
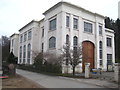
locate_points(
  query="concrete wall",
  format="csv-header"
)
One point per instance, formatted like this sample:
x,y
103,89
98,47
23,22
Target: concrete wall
x,y
34,27
14,44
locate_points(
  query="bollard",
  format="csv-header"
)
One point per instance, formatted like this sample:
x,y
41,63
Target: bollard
x,y
116,72
87,70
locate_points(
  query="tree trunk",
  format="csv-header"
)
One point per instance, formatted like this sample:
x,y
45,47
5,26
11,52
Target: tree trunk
x,y
73,71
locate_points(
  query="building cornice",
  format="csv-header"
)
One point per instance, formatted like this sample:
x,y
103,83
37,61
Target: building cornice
x,y
28,24
109,30
13,35
71,5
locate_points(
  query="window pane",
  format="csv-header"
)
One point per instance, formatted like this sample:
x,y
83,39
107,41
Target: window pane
x,y
75,23
87,27
100,54
67,39
101,62
109,42
24,54
20,54
75,41
29,51
52,24
42,46
52,42
42,32
100,30
109,59
25,37
100,44
67,21
29,35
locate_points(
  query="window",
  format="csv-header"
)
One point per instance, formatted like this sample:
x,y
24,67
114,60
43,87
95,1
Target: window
x,y
20,54
24,54
67,21
100,30
100,48
109,59
75,23
52,24
42,47
29,35
109,42
28,53
100,52
52,42
21,38
75,41
101,62
43,32
25,37
87,27
67,39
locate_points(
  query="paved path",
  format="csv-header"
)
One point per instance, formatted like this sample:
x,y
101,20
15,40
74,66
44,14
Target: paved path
x,y
58,82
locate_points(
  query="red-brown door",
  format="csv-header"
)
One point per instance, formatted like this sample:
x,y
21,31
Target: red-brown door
x,y
88,54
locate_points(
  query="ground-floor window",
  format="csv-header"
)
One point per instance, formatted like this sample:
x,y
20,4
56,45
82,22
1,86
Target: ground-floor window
x,y
100,62
24,54
109,59
20,54
100,53
28,53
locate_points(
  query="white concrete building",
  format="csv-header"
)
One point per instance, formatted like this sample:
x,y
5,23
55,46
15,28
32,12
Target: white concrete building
x,y
14,38
80,26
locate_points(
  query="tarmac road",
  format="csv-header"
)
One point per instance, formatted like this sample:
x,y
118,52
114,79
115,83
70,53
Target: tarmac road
x,y
55,81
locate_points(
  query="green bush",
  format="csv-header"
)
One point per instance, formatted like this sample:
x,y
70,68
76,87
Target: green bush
x,y
11,59
117,61
38,66
44,68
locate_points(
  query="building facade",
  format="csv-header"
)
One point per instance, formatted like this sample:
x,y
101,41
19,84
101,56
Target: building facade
x,y
66,21
14,44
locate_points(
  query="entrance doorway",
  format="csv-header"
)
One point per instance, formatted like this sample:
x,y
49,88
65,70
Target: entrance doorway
x,y
88,54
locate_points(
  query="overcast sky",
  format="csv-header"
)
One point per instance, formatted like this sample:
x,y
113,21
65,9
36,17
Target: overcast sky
x,y
14,14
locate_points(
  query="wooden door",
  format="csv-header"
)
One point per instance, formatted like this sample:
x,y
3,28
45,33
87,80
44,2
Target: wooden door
x,y
88,54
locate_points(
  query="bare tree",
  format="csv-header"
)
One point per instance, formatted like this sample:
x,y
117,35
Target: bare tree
x,y
52,58
72,56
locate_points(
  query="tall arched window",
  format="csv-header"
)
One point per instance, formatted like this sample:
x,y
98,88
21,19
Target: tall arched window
x,y
20,59
52,42
67,50
100,52
75,41
28,53
67,39
24,54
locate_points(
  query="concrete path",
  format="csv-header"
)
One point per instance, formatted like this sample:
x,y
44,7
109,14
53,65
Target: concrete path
x,y
61,82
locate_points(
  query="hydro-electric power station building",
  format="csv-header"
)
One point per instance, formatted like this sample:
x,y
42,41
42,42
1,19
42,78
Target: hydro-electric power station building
x,y
66,21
